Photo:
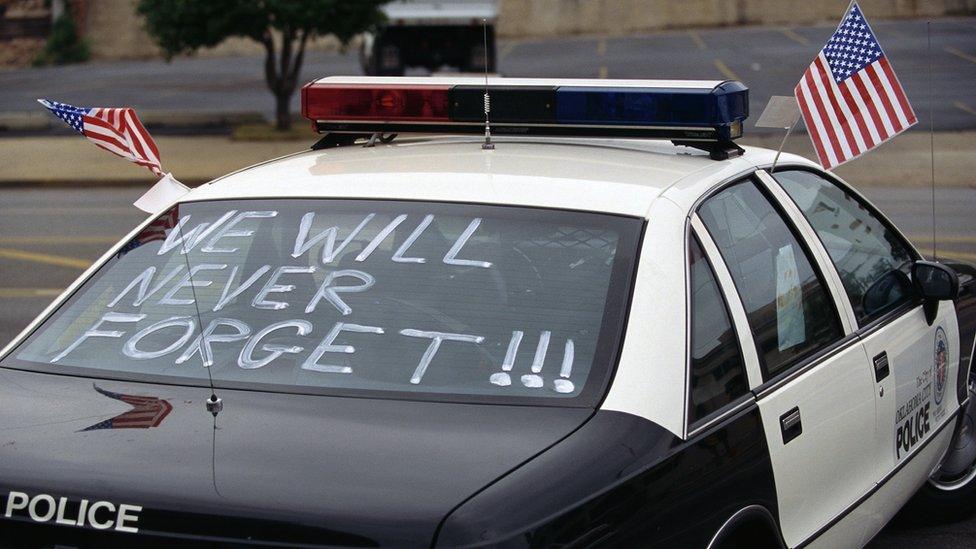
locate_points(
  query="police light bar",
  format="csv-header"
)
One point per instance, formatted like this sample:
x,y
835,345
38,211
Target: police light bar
x,y
682,110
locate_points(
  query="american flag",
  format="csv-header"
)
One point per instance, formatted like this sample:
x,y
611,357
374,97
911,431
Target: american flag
x,y
153,231
850,98
146,412
117,130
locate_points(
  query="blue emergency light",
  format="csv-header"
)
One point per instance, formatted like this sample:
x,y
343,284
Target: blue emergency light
x,y
704,114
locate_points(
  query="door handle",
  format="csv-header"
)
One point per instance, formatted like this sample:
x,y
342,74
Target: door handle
x,y
791,425
881,369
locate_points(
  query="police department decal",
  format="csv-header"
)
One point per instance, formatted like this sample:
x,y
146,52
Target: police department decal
x,y
84,513
941,364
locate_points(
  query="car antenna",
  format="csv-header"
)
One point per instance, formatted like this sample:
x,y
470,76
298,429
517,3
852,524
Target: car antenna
x,y
487,145
928,36
214,403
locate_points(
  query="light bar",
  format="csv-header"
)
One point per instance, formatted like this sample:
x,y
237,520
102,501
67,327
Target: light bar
x,y
685,111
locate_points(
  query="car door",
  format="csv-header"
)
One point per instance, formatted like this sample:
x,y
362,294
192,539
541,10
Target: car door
x,y
816,392
915,362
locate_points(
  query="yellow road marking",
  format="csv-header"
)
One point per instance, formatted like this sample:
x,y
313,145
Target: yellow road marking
x,y
70,211
959,53
697,40
6,293
964,107
47,259
950,254
507,50
943,238
792,35
21,240
724,69
603,71
601,47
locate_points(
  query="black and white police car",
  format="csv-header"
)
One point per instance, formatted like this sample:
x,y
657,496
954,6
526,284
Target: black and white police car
x,y
585,336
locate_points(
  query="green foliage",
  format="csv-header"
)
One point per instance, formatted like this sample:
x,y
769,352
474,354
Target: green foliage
x,y
183,26
283,27
63,46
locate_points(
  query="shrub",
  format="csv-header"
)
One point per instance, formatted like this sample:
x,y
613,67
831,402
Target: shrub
x,y
63,46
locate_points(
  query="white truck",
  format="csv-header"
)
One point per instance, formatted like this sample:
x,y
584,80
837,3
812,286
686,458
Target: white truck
x,y
432,34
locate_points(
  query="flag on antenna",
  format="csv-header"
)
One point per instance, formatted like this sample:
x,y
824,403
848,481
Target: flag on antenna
x,y
850,98
117,130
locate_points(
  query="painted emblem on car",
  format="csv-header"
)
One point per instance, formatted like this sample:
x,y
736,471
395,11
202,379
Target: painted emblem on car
x,y
941,364
146,412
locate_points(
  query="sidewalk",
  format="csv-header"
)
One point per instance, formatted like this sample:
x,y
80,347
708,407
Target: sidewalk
x,y
71,160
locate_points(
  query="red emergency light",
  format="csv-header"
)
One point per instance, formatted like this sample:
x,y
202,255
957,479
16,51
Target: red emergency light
x,y
376,102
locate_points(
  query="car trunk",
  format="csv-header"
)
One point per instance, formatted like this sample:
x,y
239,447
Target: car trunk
x,y
270,468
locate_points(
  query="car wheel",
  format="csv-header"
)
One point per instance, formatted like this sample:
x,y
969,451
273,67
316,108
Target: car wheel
x,y
950,494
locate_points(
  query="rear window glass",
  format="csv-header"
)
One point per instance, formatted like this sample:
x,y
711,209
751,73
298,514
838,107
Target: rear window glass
x,y
354,297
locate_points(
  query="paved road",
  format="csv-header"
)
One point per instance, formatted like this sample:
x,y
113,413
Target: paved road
x,y
769,60
48,236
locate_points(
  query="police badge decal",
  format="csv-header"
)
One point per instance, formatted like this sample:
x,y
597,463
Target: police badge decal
x,y
941,369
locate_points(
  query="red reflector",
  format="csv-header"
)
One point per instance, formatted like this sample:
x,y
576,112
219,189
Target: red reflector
x,y
375,102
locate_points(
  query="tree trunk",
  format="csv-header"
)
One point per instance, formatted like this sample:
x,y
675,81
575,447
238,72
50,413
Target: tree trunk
x,y
282,76
282,109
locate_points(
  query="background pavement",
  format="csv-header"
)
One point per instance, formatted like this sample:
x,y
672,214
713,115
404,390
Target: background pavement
x,y
769,60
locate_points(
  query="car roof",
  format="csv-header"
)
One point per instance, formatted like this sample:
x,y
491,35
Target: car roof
x,y
604,175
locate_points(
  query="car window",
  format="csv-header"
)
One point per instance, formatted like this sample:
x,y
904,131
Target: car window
x,y
718,374
789,309
355,298
872,260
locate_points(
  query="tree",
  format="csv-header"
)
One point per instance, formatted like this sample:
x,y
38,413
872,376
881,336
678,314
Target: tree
x,y
283,27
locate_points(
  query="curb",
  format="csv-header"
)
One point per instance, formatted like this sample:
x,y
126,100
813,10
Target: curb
x,y
89,183
162,122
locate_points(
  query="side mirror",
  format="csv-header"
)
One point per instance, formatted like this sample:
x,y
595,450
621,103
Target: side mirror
x,y
935,282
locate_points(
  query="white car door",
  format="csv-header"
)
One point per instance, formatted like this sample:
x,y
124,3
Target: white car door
x,y
915,362
817,392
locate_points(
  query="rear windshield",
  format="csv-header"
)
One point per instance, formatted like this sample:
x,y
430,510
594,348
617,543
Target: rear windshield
x,y
408,299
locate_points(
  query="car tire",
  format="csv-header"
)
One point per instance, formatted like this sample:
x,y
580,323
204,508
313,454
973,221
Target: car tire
x,y
950,494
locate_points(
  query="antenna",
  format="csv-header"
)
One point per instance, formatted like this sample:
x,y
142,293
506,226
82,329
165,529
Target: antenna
x,y
214,403
928,36
487,145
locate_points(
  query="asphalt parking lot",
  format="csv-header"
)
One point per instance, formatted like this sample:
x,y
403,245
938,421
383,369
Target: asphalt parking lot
x,y
48,237
768,59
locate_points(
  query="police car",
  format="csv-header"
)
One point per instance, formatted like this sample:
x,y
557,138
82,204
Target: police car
x,y
611,326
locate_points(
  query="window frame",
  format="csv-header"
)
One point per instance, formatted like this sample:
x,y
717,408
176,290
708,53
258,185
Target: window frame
x,y
890,315
691,236
817,353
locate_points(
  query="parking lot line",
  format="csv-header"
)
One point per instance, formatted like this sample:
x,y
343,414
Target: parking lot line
x,y
697,40
944,238
964,107
27,210
47,259
601,47
959,53
792,35
9,293
724,69
952,254
507,49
